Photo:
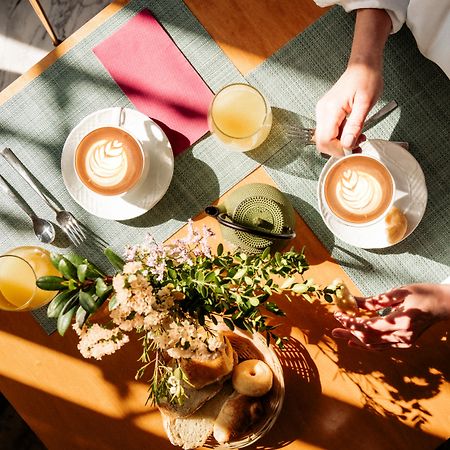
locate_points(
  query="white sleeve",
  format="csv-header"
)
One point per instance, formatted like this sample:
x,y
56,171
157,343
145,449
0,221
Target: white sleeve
x,y
395,8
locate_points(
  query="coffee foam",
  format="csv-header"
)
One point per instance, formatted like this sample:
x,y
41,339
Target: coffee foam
x,y
358,189
109,161
106,162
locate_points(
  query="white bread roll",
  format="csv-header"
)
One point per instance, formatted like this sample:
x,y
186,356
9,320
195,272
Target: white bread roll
x,y
201,372
237,415
396,225
253,378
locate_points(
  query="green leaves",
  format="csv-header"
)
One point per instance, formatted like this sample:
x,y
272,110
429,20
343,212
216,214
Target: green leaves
x,y
52,283
65,319
67,269
87,302
83,288
116,261
100,287
56,305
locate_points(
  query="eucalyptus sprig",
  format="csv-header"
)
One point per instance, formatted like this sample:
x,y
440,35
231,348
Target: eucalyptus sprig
x,y
237,287
82,288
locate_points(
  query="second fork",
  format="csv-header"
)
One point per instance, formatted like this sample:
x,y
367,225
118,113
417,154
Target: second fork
x,y
65,219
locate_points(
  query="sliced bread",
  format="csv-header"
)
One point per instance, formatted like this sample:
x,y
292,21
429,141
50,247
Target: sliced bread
x,y
193,431
195,399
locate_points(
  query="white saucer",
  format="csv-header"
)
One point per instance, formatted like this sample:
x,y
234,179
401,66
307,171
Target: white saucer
x,y
157,174
410,197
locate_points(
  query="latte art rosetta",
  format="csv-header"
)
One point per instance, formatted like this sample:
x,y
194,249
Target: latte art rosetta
x,y
106,163
358,189
109,161
359,192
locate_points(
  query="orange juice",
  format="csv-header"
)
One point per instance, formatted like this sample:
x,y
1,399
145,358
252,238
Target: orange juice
x,y
240,117
19,269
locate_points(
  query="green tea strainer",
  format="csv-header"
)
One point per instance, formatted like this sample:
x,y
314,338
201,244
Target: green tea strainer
x,y
254,217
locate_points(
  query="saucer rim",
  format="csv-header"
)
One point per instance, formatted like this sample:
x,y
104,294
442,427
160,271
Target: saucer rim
x,y
117,208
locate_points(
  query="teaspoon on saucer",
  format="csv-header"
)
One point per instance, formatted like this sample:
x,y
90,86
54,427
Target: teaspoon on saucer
x,y
43,229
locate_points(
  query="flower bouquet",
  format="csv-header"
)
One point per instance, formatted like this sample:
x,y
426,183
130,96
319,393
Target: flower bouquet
x,y
178,297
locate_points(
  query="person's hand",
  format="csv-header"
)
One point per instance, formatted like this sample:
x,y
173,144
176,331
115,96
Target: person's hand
x,y
341,112
409,310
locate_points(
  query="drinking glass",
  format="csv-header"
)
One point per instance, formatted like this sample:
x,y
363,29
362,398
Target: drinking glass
x,y
240,117
19,269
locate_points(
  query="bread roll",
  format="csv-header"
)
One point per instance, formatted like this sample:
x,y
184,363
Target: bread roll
x,y
201,372
396,225
237,415
344,299
252,377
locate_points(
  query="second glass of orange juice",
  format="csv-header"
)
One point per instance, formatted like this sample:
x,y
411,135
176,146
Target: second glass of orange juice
x,y
240,117
19,270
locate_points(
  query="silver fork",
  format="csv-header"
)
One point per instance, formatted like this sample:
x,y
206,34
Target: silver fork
x,y
306,135
65,219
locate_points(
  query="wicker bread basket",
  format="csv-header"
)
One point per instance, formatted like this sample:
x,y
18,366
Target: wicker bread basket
x,y
254,346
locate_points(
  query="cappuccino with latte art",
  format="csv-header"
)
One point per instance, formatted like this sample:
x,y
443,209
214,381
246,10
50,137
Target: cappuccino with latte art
x,y
358,189
109,161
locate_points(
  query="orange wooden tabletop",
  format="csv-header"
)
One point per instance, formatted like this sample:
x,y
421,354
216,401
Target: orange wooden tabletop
x,y
336,397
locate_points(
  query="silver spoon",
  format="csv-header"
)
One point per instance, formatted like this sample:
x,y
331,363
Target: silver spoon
x,y
43,229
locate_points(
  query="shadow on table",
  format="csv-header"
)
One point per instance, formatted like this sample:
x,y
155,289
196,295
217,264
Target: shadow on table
x,y
282,152
88,428
388,387
198,186
391,385
311,416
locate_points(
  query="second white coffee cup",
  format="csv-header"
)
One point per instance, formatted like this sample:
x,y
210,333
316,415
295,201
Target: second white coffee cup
x,y
358,190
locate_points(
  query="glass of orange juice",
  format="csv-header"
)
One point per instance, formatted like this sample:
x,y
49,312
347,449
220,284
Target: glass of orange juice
x,y
240,117
19,270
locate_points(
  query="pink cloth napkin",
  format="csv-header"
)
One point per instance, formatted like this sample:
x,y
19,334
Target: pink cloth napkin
x,y
158,79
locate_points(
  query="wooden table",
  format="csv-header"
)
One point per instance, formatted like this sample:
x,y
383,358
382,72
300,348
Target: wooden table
x,y
336,397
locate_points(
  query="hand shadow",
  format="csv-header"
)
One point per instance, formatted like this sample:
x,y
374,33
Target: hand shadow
x,y
288,150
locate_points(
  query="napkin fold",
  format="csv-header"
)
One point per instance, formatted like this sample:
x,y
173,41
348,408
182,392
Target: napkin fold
x,y
157,78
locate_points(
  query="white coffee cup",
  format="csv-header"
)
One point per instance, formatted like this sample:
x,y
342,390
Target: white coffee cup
x,y
358,190
109,161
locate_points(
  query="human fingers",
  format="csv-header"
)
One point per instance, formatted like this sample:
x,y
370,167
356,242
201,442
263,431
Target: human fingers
x,y
355,121
329,118
370,339
377,302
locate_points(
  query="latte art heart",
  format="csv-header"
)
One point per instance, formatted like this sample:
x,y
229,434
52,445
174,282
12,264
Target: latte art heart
x,y
358,189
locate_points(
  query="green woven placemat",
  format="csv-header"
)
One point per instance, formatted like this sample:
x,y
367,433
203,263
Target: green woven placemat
x,y
298,75
36,122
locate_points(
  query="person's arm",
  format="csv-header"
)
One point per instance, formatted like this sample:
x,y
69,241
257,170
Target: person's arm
x,y
406,313
341,112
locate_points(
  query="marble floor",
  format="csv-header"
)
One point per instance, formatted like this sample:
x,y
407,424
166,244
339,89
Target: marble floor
x,y
23,42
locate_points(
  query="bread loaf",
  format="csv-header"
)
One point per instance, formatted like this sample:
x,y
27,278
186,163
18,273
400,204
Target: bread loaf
x,y
201,372
193,431
236,416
